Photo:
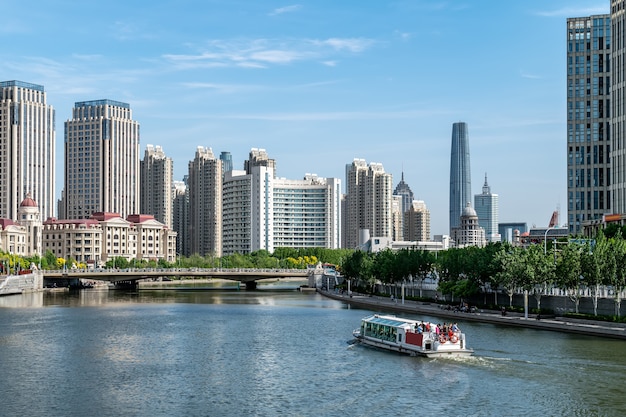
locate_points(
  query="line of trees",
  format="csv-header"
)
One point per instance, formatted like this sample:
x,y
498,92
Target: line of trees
x,y
572,266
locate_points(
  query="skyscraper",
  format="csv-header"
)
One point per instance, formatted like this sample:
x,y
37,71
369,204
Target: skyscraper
x,y
460,174
403,189
588,121
157,180
204,188
27,148
101,160
618,101
227,161
486,206
367,202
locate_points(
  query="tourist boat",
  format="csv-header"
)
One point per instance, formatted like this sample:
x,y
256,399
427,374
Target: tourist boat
x,y
412,337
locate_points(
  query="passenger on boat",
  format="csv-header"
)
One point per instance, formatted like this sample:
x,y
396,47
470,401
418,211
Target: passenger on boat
x,y
455,327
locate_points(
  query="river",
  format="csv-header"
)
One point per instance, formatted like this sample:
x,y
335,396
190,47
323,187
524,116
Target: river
x,y
192,352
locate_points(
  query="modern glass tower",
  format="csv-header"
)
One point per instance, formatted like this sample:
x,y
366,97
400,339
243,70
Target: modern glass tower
x,y
460,174
588,121
27,148
486,206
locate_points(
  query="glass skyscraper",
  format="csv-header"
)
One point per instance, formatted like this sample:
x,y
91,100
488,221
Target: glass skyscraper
x,y
460,174
588,120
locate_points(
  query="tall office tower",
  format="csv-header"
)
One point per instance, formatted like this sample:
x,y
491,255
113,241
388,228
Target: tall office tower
x,y
460,174
486,206
618,102
101,160
588,121
417,222
205,203
157,178
368,202
27,148
227,161
403,189
180,217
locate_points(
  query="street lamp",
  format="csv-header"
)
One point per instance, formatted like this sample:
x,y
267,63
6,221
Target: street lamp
x,y
545,240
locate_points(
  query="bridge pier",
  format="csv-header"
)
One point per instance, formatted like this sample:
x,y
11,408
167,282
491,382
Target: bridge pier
x,y
251,285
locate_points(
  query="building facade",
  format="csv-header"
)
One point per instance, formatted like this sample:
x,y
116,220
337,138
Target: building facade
x,y
589,119
157,178
367,202
486,206
460,173
27,148
180,217
469,232
107,236
101,160
417,222
204,187
618,100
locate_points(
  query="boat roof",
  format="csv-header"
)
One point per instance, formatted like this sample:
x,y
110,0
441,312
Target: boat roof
x,y
388,320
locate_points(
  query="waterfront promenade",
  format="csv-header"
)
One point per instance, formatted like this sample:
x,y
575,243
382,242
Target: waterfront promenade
x,y
560,324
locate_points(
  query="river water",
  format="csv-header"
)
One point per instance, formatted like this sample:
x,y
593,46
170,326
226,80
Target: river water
x,y
191,352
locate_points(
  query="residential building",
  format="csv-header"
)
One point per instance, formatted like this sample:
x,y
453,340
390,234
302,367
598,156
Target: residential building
x,y
592,154
397,218
204,187
417,222
27,148
486,206
180,217
367,202
101,160
261,211
156,185
460,173
616,45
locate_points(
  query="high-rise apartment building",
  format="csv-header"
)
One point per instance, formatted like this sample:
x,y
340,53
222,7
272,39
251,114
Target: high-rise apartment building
x,y
618,100
397,218
460,174
204,188
157,178
367,202
486,206
101,160
261,211
417,222
27,148
180,217
589,148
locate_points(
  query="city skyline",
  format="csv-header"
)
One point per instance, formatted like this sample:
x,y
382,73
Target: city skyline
x,y
316,89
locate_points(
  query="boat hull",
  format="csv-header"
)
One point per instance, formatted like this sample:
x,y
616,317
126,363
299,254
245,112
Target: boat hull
x,y
413,350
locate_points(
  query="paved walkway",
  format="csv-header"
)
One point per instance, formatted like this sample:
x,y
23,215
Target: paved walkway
x,y
561,324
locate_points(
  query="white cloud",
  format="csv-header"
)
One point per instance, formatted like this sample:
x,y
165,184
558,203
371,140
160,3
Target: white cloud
x,y
286,9
259,53
600,8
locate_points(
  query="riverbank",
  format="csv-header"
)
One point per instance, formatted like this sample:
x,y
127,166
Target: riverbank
x,y
560,324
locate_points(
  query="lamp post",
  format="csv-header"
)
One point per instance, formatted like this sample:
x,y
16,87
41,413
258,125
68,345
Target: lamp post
x,y
545,240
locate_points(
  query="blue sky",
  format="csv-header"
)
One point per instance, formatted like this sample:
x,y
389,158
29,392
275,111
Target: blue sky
x,y
319,83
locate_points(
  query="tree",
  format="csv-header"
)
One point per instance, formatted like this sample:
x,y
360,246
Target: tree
x,y
618,280
569,272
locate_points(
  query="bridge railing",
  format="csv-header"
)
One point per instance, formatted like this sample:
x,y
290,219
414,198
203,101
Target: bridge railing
x,y
170,270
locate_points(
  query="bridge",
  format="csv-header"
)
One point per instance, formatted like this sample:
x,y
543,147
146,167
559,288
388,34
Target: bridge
x,y
130,276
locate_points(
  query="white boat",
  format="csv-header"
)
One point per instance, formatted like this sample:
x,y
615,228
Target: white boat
x,y
412,337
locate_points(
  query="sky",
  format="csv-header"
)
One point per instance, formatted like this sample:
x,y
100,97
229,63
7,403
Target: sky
x,y
320,83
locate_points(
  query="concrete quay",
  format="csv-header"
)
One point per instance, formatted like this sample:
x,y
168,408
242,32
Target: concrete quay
x,y
559,324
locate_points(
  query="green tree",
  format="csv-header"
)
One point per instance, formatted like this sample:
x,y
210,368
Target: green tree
x,y
569,272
